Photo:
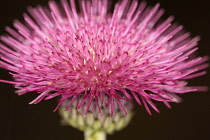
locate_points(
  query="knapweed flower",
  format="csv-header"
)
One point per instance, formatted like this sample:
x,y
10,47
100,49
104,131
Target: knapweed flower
x,y
95,56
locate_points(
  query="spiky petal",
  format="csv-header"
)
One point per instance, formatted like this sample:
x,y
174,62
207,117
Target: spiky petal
x,y
95,56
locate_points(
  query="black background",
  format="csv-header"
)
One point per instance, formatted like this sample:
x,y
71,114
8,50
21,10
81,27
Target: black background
x,y
186,121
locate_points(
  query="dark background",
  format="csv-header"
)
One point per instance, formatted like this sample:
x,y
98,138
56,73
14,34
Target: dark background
x,y
188,120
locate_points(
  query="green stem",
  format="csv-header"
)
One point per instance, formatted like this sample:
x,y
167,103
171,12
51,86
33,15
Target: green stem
x,y
94,135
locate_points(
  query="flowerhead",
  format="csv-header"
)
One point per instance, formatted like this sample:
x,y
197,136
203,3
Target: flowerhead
x,y
95,56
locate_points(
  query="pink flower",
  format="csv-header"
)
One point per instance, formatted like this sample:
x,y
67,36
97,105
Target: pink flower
x,y
98,57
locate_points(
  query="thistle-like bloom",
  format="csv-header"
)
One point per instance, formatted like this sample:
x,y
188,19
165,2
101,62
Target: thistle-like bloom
x,y
96,56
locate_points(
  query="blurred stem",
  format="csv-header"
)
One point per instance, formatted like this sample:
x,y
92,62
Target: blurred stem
x,y
94,135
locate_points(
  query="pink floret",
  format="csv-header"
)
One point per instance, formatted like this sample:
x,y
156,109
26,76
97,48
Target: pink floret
x,y
96,56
